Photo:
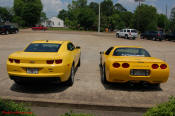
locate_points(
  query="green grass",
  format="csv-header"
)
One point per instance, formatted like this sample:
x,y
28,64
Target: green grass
x,y
14,109
75,114
59,28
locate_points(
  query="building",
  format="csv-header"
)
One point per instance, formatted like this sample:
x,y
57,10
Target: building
x,y
53,22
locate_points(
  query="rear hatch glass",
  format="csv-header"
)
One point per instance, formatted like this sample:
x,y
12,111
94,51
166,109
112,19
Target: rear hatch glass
x,y
42,47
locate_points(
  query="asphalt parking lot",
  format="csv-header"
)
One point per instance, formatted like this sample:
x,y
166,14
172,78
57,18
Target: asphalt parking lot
x,y
88,88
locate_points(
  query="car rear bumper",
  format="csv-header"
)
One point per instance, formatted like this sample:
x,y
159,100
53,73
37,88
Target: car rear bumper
x,y
35,79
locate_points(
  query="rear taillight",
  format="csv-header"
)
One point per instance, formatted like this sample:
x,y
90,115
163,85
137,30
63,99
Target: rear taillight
x,y
116,65
10,60
58,61
158,34
50,61
17,61
163,66
125,65
155,66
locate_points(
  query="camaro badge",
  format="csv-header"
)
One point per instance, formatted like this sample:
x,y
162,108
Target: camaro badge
x,y
32,62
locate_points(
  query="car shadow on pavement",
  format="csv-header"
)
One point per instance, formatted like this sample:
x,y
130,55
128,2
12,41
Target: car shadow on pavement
x,y
129,86
39,88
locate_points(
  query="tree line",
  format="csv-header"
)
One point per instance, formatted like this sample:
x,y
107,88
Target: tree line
x,y
83,16
25,13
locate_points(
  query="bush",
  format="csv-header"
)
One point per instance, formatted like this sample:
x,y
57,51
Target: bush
x,y
13,109
73,114
165,109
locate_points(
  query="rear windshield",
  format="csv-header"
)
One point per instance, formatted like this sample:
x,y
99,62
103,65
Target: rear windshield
x,y
42,47
131,52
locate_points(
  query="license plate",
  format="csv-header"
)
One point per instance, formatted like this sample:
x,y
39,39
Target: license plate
x,y
137,72
32,70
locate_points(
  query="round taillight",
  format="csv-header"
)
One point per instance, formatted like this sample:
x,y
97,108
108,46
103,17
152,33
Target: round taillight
x,y
116,65
11,60
17,61
58,61
125,65
163,66
155,66
50,61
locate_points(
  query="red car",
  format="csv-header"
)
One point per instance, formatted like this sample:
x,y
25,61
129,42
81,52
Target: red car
x,y
39,28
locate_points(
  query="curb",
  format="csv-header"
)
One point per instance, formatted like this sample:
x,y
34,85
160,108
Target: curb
x,y
71,105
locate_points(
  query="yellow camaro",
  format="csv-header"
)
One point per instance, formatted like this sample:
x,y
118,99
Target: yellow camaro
x,y
44,60
132,64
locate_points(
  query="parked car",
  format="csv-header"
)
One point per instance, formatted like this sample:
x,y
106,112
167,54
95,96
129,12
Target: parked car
x,y
123,64
6,29
39,28
170,36
153,35
44,61
127,33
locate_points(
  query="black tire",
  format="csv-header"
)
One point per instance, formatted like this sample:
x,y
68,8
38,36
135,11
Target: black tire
x,y
117,35
141,37
126,36
7,32
103,78
71,78
79,63
154,38
160,39
133,38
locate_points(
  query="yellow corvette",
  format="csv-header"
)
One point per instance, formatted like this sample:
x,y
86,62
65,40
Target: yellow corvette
x,y
132,64
44,60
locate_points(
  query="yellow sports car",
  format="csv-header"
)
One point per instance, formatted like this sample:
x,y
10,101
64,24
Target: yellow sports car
x,y
44,60
132,64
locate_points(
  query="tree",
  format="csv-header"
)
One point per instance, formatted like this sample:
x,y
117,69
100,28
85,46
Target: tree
x,y
29,11
119,7
163,22
145,18
107,7
5,14
43,17
94,6
172,19
63,14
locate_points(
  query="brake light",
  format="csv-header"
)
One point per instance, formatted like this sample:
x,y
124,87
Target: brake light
x,y
17,61
158,34
10,60
116,65
58,61
125,65
163,66
155,66
50,61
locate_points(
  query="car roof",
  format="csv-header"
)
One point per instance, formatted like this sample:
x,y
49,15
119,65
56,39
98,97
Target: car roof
x,y
50,41
127,47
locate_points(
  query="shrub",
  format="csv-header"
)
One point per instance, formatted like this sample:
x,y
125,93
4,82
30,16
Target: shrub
x,y
164,109
13,109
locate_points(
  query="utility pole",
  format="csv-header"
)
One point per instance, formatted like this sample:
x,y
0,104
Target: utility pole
x,y
99,18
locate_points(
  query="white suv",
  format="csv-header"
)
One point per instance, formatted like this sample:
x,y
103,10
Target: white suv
x,y
127,33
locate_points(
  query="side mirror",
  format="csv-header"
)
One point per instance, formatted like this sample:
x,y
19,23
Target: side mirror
x,y
77,47
101,52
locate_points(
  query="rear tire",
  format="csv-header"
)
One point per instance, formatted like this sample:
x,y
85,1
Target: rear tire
x,y
7,32
126,36
71,78
154,39
79,63
103,78
156,85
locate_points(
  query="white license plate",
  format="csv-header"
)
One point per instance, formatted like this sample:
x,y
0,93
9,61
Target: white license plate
x,y
140,72
32,70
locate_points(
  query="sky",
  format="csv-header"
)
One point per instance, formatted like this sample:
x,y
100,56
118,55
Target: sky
x,y
52,7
